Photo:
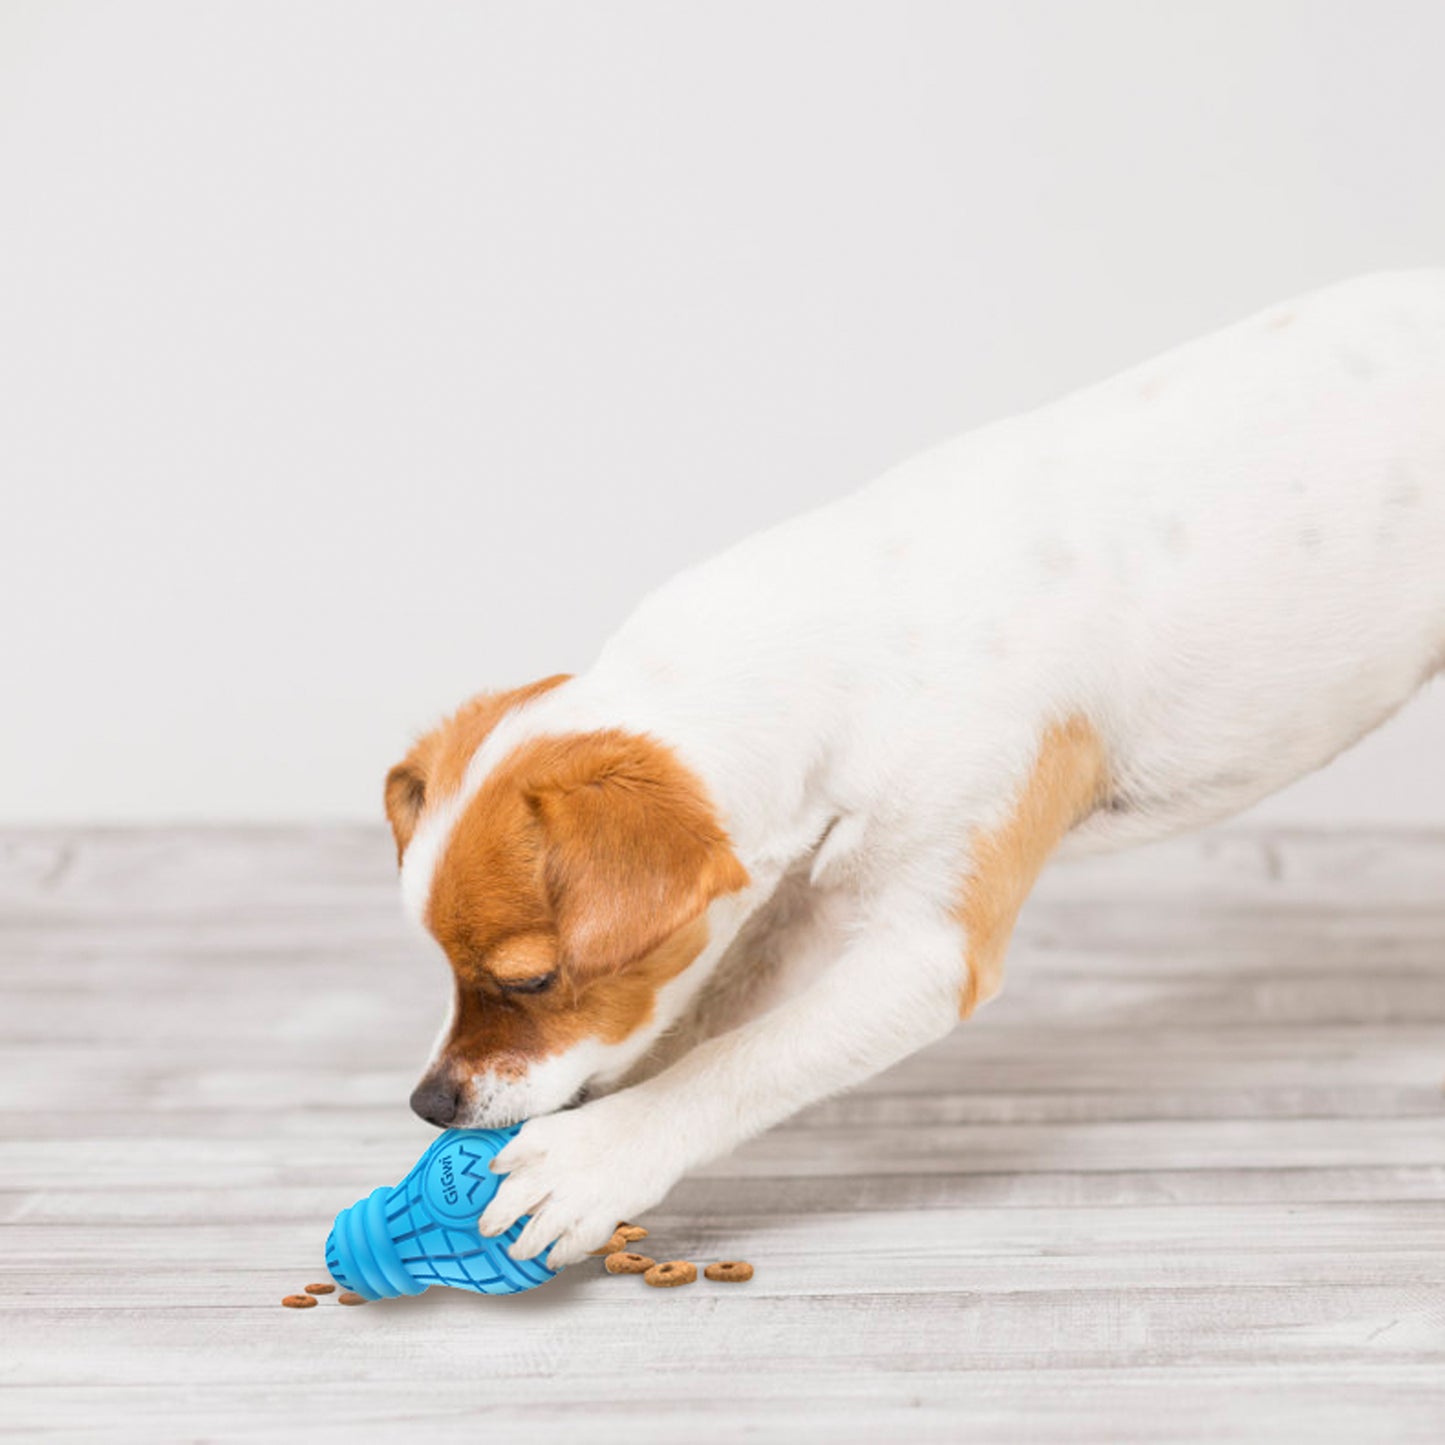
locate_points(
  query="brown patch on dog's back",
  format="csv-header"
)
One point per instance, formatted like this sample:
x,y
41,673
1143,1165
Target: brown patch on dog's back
x,y
595,855
1068,780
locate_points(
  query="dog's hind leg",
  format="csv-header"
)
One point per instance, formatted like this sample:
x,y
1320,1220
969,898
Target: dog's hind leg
x,y
1068,780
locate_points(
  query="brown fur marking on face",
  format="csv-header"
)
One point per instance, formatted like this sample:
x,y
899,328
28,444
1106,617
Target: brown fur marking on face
x,y
501,1035
1067,782
437,763
592,854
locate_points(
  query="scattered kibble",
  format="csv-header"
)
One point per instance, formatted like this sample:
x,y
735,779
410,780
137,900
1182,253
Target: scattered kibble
x,y
625,1262
350,1297
671,1273
622,1236
730,1271
320,1288
299,1301
622,1258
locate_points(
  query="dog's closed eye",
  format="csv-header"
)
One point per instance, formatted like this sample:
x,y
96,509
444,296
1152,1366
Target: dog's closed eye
x,y
540,984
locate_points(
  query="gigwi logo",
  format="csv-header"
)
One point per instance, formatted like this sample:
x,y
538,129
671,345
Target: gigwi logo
x,y
448,1180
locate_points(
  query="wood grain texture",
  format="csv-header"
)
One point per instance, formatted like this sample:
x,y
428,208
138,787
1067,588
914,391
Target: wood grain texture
x,y
1185,1179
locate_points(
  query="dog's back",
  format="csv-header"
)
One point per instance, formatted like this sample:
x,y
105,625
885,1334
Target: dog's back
x,y
1231,559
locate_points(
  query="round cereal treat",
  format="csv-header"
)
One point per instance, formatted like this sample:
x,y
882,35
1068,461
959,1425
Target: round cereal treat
x,y
613,1245
350,1297
731,1271
624,1262
631,1233
299,1301
320,1288
671,1272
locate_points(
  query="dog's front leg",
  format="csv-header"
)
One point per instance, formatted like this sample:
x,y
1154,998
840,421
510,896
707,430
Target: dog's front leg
x,y
912,966
894,990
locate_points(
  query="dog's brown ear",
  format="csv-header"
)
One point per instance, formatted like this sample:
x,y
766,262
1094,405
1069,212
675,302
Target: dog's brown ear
x,y
437,765
405,796
632,849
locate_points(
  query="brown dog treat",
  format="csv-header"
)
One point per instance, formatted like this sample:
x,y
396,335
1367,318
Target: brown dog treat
x,y
625,1262
672,1272
731,1271
299,1301
350,1297
320,1288
631,1233
613,1245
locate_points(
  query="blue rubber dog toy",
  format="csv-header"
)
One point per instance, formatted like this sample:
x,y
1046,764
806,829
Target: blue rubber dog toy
x,y
423,1231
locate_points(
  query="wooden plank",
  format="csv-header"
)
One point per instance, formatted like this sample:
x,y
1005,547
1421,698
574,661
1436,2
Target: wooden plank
x,y
716,1201
594,1335
1205,1403
1379,996
1185,1179
832,1152
369,1104
985,1060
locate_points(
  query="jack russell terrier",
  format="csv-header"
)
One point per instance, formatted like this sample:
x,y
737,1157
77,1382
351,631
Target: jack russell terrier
x,y
777,837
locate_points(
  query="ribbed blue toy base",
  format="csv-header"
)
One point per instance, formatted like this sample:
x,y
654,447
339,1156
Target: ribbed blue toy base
x,y
391,1243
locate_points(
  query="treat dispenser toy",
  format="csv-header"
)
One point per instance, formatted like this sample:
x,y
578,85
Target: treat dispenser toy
x,y
423,1231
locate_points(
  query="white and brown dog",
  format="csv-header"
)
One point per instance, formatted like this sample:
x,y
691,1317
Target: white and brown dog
x,y
777,837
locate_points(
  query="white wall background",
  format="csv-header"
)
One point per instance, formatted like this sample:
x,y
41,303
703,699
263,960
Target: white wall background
x,y
355,356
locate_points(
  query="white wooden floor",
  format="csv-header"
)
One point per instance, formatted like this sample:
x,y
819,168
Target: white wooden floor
x,y
1185,1180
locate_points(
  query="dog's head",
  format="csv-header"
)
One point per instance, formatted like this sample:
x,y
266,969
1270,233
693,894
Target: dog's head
x,y
567,889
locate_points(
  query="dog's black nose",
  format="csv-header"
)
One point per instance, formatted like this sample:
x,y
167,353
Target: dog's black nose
x,y
436,1100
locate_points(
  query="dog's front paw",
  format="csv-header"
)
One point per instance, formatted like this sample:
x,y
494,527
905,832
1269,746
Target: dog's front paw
x,y
577,1174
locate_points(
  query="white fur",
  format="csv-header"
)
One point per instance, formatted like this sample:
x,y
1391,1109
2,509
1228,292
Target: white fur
x,y
1230,560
